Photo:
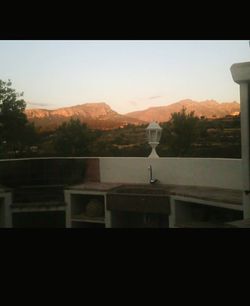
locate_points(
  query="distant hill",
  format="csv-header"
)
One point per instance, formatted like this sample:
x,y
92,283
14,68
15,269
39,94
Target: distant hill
x,y
95,115
101,116
208,109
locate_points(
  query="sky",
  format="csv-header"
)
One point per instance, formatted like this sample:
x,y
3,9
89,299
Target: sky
x,y
128,75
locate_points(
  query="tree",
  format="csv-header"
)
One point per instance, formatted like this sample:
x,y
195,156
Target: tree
x,y
13,120
180,132
72,138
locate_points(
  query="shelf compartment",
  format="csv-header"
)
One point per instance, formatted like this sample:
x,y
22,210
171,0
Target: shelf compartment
x,y
84,224
84,218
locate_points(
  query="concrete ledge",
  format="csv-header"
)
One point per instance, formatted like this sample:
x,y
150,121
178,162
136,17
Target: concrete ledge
x,y
241,72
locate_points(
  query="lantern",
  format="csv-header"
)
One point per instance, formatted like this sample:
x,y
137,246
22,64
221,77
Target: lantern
x,y
153,135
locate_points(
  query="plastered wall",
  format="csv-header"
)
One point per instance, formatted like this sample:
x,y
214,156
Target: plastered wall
x,y
210,172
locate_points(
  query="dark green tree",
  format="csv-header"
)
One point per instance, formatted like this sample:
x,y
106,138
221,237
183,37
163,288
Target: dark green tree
x,y
72,138
180,132
15,130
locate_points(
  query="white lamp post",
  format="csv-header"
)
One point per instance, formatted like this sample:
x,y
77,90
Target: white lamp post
x,y
154,135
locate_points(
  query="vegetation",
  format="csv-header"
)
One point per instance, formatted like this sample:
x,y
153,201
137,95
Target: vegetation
x,y
72,138
16,133
180,132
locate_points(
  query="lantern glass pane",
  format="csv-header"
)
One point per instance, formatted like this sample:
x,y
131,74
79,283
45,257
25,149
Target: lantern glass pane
x,y
148,134
153,135
158,135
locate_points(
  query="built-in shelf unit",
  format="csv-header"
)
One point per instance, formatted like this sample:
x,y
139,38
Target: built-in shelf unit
x,y
192,212
86,206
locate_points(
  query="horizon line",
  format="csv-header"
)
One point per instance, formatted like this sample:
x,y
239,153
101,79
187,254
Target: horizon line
x,y
43,105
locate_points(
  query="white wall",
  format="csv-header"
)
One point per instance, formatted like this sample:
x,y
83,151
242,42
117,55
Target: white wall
x,y
209,172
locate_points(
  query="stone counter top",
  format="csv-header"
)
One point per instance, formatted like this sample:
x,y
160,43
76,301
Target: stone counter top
x,y
94,186
229,196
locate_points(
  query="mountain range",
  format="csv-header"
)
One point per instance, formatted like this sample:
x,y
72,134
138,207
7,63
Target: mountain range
x,y
101,116
95,115
208,109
